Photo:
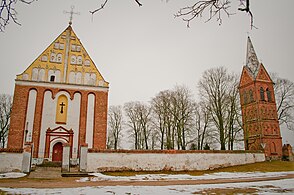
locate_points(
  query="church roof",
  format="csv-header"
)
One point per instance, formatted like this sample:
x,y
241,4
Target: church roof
x,y
252,62
67,61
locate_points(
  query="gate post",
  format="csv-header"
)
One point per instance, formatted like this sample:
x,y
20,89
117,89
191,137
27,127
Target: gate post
x,y
65,158
27,157
83,157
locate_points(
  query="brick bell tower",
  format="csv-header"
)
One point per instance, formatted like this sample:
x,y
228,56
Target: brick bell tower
x,y
259,111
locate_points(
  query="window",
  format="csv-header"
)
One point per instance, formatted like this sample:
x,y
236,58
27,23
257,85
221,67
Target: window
x,y
251,96
52,78
44,58
268,94
79,60
59,58
53,57
73,59
87,62
56,45
73,47
245,97
262,94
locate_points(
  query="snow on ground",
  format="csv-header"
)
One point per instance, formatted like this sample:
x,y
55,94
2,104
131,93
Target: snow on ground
x,y
157,177
11,175
266,187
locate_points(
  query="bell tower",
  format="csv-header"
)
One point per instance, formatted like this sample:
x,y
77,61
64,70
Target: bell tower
x,y
259,111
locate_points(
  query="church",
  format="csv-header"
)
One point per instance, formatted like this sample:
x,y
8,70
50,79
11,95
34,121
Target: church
x,y
259,110
61,98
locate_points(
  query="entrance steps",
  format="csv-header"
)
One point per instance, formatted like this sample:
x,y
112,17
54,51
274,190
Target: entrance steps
x,y
45,172
51,170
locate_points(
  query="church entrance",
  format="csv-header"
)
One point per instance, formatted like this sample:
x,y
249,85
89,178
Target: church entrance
x,y
57,152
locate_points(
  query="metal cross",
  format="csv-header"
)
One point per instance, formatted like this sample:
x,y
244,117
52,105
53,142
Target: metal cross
x,y
71,14
62,104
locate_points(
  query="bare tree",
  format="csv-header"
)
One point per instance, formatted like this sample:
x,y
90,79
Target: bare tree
x,y
172,116
214,8
284,94
161,118
233,122
5,110
138,120
8,12
182,111
216,87
115,121
202,123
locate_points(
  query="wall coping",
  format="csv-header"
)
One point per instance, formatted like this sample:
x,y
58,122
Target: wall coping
x,y
93,150
11,150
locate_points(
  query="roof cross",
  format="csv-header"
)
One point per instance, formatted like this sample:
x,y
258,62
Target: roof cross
x,y
71,14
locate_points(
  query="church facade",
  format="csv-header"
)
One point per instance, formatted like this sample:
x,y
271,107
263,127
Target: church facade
x,y
259,111
61,98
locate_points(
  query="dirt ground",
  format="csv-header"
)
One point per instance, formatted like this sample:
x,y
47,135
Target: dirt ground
x,y
70,182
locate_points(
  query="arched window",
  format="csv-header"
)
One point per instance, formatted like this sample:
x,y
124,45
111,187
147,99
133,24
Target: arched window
x,y
59,58
245,97
262,94
268,94
251,95
273,148
61,109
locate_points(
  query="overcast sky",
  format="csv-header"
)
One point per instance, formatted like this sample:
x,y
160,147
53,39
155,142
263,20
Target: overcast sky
x,y
143,50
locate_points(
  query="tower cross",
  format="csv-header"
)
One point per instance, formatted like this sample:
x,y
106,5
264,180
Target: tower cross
x,y
71,14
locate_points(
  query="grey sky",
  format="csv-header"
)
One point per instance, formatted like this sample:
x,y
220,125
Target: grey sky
x,y
142,51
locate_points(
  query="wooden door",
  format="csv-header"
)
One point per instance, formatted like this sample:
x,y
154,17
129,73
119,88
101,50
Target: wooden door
x,y
57,152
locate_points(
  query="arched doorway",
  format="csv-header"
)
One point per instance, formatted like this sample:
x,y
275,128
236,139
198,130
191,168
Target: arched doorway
x,y
57,152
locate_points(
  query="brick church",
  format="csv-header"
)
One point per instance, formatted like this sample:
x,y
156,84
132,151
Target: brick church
x,y
259,111
61,98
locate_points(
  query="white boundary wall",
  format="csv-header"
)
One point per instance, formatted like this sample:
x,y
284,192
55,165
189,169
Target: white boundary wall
x,y
114,161
10,161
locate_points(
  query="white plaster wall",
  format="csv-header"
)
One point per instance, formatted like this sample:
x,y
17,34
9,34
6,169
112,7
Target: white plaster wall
x,y
73,118
10,161
162,161
48,117
49,114
30,115
90,120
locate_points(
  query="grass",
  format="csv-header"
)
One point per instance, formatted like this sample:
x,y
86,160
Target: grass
x,y
273,166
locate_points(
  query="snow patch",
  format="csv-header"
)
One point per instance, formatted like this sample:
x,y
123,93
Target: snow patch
x,y
263,187
11,175
160,177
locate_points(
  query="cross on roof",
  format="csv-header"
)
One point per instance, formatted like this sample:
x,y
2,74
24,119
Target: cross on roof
x,y
71,14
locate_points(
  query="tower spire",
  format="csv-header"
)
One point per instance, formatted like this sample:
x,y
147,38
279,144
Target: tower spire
x,y
251,59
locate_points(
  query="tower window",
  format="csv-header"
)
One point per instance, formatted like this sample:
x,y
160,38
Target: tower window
x,y
245,97
268,94
251,96
52,78
262,94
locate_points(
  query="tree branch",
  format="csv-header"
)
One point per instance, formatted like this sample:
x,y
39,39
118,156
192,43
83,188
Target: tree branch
x,y
247,10
215,9
106,1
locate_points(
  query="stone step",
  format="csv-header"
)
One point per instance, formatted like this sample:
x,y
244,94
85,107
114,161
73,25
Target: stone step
x,y
46,172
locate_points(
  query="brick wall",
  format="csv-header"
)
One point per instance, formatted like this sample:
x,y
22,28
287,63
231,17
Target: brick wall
x,y
19,109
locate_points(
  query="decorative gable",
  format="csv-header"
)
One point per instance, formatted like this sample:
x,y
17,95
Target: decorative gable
x,y
65,60
246,77
262,75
